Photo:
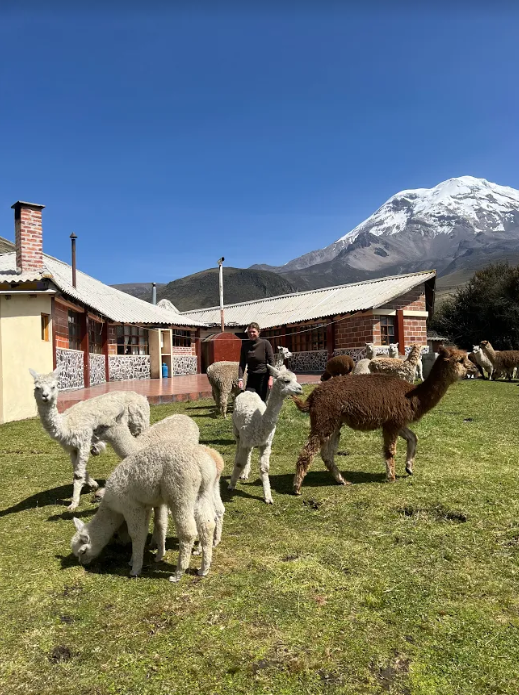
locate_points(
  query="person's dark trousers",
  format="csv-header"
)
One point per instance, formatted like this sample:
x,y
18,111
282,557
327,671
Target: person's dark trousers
x,y
259,383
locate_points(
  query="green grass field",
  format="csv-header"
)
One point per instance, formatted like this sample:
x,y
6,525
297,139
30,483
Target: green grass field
x,y
409,588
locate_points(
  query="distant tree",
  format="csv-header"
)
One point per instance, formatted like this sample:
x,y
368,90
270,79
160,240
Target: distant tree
x,y
487,308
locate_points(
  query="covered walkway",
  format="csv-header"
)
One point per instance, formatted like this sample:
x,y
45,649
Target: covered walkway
x,y
157,391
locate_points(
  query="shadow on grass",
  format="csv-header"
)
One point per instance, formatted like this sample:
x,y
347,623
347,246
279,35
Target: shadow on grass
x,y
200,407
221,442
55,497
68,516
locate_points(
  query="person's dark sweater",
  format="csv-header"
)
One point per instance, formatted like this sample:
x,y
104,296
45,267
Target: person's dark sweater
x,y
255,355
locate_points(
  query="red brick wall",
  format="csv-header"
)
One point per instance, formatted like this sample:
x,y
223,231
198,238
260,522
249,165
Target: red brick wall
x,y
28,238
60,325
415,331
414,299
355,330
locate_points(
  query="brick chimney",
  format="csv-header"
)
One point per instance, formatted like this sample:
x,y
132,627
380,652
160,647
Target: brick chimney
x,y
28,236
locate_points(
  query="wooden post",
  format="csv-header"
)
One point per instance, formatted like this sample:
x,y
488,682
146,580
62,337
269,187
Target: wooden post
x,y
104,338
330,339
198,351
400,331
85,347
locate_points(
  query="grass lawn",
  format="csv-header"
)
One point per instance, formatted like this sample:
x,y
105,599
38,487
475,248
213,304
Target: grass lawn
x,y
409,588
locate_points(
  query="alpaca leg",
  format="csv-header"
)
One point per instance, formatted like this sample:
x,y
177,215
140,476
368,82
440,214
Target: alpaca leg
x,y
412,441
328,451
160,530
205,524
306,457
224,397
79,461
390,438
246,471
264,471
147,524
136,519
240,464
93,484
183,513
219,512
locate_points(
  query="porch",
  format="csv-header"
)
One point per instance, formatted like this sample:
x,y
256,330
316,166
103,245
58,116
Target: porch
x,y
157,391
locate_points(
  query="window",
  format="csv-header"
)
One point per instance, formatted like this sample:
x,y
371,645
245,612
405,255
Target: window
x,y
95,337
307,337
45,318
276,337
132,340
181,338
74,331
387,330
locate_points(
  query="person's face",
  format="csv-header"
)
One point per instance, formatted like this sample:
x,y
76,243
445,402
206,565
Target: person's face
x,y
253,333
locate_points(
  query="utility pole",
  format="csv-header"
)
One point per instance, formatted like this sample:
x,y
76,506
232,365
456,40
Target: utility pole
x,y
220,285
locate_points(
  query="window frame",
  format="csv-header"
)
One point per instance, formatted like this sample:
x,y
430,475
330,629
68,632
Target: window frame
x,y
132,340
45,327
74,335
387,336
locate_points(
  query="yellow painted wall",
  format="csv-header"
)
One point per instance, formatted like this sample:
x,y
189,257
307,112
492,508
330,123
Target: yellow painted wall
x,y
21,347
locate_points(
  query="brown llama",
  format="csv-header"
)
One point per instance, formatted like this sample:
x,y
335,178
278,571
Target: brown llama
x,y
340,365
373,402
503,361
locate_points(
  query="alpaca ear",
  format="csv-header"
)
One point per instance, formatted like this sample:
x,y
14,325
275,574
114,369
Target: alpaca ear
x,y
57,371
273,371
443,352
80,525
34,374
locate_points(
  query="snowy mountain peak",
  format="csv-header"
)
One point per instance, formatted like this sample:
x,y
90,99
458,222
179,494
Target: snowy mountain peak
x,y
478,202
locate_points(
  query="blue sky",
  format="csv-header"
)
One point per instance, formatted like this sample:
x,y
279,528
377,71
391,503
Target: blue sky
x,y
165,139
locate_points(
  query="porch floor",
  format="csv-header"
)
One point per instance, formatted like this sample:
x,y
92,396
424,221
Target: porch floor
x,y
157,391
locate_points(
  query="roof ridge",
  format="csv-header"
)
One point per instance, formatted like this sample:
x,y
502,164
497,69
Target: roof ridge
x,y
306,292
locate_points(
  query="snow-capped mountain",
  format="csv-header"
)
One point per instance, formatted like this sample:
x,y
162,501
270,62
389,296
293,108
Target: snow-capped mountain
x,y
462,223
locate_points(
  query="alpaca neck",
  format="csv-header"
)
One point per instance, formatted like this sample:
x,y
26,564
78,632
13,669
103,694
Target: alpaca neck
x,y
103,526
124,443
50,418
430,392
413,357
489,351
271,414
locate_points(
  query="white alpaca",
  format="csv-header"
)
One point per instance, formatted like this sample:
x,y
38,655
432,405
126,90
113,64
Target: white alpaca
x,y
181,476
172,429
74,429
483,360
223,377
254,425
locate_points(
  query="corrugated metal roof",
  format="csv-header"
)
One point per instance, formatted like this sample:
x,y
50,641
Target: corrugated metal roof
x,y
315,304
108,301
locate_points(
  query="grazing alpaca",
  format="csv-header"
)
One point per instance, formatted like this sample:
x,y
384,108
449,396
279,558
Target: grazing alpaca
x,y
74,429
403,369
172,429
370,403
503,361
223,377
254,424
339,365
171,473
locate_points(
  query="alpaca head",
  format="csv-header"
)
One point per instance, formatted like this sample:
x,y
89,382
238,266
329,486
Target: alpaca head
x,y
284,351
285,382
370,350
81,543
486,345
393,349
45,386
475,348
454,364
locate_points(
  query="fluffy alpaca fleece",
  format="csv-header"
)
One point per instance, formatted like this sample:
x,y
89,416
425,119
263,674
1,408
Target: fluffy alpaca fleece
x,y
370,403
254,425
483,362
223,377
362,366
503,361
74,429
403,369
181,476
340,365
172,428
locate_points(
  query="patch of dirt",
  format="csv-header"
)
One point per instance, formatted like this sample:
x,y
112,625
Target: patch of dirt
x,y
436,513
329,678
67,619
387,674
343,452
312,504
60,654
468,419
289,558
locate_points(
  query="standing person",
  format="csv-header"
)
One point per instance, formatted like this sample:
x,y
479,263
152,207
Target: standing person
x,y
255,354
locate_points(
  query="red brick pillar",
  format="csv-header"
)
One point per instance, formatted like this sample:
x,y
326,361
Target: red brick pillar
x,y
330,339
85,347
104,337
28,236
